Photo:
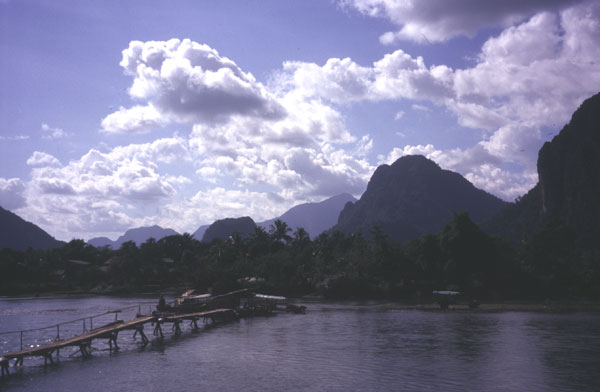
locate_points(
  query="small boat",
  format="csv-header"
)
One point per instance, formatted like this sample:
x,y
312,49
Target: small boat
x,y
243,301
445,297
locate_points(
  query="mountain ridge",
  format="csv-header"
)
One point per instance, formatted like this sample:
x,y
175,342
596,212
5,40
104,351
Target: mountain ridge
x,y
19,234
413,197
139,235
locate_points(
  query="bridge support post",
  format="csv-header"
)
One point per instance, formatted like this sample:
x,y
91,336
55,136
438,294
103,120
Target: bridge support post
x,y
176,328
4,365
48,358
83,348
158,330
113,339
140,329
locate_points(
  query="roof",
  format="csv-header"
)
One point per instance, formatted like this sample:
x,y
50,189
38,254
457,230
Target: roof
x,y
78,262
446,292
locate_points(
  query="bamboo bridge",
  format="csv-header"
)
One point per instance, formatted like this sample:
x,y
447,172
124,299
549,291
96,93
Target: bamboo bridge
x,y
108,331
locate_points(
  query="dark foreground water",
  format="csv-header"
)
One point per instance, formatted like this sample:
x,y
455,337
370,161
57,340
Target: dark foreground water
x,y
334,347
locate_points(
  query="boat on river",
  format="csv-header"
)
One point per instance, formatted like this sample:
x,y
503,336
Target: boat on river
x,y
244,301
445,297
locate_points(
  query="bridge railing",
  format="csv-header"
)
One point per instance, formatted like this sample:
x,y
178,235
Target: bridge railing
x,y
23,339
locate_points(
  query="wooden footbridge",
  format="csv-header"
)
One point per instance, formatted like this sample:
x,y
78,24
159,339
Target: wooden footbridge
x,y
108,331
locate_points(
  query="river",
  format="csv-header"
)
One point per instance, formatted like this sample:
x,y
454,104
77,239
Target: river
x,y
333,347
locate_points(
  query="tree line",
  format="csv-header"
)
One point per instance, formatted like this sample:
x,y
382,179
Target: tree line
x,y
548,264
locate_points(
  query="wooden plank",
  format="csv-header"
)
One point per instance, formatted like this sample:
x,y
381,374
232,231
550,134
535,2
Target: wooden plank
x,y
107,331
192,316
80,339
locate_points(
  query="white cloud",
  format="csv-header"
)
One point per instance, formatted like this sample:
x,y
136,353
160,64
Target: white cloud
x,y
51,133
532,75
399,115
209,174
186,81
42,159
137,119
15,137
103,192
396,75
289,154
420,108
287,143
428,21
217,203
11,193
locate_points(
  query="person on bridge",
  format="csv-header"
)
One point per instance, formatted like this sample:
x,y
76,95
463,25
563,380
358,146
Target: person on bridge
x,y
162,305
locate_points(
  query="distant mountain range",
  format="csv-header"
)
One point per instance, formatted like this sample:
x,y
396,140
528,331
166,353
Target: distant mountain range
x,y
315,218
138,235
569,183
413,197
18,234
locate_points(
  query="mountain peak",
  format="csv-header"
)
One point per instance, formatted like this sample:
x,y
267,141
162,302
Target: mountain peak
x,y
223,228
413,196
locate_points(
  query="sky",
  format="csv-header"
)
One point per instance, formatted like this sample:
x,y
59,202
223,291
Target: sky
x,y
121,114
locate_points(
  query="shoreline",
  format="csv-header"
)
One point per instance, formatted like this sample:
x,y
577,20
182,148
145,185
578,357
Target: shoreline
x,y
540,306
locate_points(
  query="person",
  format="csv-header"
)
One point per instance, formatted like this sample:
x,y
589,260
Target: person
x,y
162,305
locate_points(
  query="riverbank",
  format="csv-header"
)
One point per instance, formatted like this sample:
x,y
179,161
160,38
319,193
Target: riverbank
x,y
547,306
511,306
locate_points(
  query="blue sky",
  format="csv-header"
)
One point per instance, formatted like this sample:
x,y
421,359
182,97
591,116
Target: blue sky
x,y
122,114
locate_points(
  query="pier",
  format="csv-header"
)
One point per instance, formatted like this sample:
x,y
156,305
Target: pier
x,y
108,331
192,308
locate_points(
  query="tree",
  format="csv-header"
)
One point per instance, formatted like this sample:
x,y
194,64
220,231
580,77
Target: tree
x,y
301,237
279,231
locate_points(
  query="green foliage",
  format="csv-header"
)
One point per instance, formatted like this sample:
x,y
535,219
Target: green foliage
x,y
460,257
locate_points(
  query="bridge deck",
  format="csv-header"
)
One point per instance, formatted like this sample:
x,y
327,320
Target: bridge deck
x,y
108,331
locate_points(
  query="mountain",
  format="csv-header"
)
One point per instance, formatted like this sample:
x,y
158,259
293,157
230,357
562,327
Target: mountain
x,y
18,234
223,228
413,197
99,242
199,233
138,235
569,182
315,218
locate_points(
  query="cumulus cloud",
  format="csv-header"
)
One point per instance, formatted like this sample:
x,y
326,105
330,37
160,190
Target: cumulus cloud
x,y
429,21
397,75
302,156
186,81
101,189
137,119
11,193
42,159
532,75
270,147
51,133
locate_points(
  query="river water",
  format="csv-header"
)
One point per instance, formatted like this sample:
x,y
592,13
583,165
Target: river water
x,y
333,347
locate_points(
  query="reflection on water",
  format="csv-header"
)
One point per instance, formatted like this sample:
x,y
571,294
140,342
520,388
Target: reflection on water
x,y
334,347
